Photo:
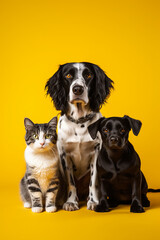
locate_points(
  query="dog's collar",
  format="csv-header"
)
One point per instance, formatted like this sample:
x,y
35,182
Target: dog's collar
x,y
82,119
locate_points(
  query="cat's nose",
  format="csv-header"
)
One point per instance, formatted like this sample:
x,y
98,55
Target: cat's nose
x,y
41,143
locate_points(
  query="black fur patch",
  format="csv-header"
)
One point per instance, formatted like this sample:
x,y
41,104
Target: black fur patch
x,y
70,193
97,147
52,189
72,180
54,182
60,123
90,183
32,180
63,161
34,189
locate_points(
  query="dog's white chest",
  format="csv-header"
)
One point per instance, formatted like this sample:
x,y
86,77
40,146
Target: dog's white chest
x,y
78,146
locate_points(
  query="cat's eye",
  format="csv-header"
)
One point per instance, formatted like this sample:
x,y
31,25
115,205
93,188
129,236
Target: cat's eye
x,y
47,136
69,76
36,136
123,130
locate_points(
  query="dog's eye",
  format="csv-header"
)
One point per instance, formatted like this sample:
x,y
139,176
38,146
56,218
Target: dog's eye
x,y
123,130
36,136
88,76
68,76
106,130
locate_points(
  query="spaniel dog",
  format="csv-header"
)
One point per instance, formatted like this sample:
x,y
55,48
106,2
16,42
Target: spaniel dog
x,y
79,90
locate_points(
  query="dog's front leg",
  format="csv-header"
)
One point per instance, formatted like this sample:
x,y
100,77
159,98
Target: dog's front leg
x,y
103,205
136,205
72,201
93,190
66,164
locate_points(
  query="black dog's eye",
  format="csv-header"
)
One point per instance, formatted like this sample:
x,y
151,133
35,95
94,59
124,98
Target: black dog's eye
x,y
106,130
68,76
123,130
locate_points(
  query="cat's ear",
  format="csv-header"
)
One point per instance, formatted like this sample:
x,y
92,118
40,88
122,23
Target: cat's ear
x,y
28,124
53,123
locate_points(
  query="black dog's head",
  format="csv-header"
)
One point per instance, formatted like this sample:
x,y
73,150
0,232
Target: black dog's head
x,y
79,82
115,130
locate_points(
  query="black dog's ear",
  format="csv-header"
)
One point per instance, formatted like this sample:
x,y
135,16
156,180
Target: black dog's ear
x,y
134,124
56,89
100,89
95,127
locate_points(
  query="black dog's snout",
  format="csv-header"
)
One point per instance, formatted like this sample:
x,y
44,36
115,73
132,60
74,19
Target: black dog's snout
x,y
114,139
78,89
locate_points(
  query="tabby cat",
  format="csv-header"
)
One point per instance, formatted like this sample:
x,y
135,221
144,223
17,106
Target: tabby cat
x,y
40,184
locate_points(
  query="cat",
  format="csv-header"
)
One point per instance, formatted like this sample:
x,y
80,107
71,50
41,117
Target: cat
x,y
40,184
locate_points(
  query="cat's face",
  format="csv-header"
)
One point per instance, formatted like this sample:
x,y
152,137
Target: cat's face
x,y
41,137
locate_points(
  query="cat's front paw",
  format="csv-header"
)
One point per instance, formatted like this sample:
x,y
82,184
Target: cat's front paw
x,y
51,209
70,206
136,207
37,209
27,205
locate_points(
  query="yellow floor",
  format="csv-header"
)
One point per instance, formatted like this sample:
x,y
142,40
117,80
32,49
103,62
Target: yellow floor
x,y
17,222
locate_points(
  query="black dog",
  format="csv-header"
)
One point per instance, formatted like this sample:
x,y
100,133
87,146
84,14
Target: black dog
x,y
120,177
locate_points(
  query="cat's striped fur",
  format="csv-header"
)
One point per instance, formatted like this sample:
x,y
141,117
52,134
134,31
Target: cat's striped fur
x,y
40,184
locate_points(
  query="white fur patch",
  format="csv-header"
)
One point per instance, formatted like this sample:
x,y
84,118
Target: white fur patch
x,y
79,81
40,160
27,205
77,143
51,209
37,209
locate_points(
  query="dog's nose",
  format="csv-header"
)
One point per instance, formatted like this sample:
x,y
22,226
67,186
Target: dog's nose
x,y
114,139
78,89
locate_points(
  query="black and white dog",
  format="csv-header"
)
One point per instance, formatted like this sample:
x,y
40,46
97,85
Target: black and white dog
x,y
79,90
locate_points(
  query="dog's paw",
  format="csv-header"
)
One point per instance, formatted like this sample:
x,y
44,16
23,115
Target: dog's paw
x,y
102,207
136,207
37,209
91,205
145,201
113,203
51,209
70,206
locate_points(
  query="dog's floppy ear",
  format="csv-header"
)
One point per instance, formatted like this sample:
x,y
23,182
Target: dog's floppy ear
x,y
95,127
56,89
100,89
134,124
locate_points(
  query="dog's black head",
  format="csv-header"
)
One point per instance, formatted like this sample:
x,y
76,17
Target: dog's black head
x,y
115,130
79,82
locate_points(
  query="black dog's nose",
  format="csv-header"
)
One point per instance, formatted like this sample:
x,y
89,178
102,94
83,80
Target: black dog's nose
x,y
114,139
78,89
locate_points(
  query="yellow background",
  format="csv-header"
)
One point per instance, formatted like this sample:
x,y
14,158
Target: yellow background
x,y
123,38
